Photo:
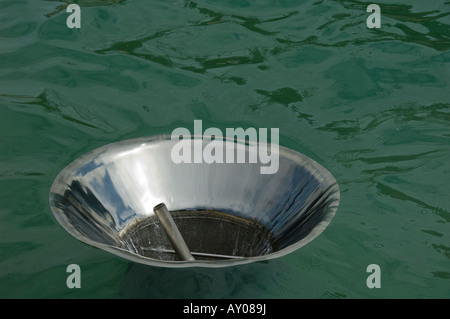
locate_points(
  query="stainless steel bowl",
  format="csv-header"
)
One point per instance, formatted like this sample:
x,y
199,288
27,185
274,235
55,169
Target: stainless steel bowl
x,y
228,214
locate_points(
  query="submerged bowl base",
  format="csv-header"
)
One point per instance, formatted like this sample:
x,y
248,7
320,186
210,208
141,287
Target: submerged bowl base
x,y
209,235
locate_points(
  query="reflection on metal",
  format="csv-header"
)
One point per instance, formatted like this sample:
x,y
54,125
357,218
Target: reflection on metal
x,y
172,232
227,214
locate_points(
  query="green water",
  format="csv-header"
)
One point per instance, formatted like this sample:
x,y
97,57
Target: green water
x,y
371,105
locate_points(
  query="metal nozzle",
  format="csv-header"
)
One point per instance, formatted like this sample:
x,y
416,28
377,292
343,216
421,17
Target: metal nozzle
x,y
172,232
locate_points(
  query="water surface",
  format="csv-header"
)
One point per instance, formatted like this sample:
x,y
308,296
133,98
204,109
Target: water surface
x,y
370,105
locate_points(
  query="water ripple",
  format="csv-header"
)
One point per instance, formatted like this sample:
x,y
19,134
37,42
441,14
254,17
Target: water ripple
x,y
50,102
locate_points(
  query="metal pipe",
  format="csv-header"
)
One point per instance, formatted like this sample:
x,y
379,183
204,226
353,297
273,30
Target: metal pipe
x,y
172,232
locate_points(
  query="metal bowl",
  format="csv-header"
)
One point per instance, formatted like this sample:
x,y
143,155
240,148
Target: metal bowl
x,y
228,214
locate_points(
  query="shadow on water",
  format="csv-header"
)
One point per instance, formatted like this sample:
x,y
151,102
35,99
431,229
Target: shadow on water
x,y
142,281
